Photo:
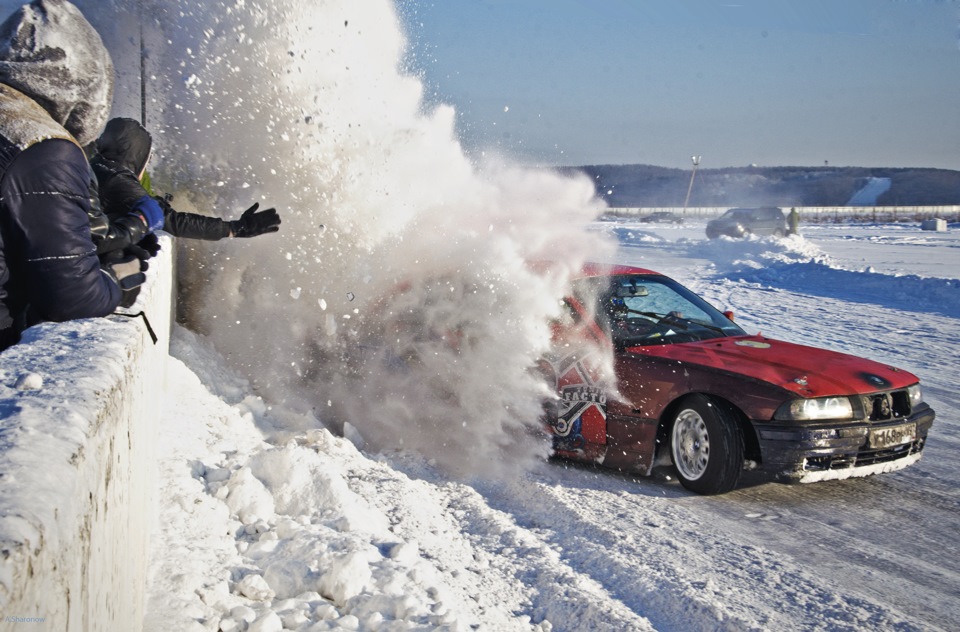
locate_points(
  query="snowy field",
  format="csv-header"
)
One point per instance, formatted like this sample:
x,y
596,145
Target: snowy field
x,y
266,530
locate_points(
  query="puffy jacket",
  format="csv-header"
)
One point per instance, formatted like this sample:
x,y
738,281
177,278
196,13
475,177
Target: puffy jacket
x,y
122,152
55,92
119,157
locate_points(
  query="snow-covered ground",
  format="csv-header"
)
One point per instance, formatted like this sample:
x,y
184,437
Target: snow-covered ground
x,y
263,529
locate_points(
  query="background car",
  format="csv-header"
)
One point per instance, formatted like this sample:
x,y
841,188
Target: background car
x,y
740,222
689,385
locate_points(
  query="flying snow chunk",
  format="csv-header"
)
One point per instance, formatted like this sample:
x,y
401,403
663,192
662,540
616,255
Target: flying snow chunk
x,y
295,293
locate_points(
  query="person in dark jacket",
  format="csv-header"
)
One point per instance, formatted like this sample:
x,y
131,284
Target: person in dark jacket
x,y
122,153
56,87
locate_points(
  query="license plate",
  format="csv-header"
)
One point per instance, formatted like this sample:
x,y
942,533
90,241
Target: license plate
x,y
894,435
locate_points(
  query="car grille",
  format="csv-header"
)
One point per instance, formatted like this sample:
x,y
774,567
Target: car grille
x,y
887,405
861,458
879,408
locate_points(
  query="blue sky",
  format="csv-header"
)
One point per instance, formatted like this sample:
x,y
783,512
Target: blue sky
x,y
767,82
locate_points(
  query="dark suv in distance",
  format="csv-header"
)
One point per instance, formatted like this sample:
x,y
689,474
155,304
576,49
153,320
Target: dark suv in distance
x,y
740,222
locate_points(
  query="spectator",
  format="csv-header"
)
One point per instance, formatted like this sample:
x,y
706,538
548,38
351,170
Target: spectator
x,y
793,222
122,153
56,87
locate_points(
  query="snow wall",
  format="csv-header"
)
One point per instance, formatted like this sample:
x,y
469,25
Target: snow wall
x,y
79,407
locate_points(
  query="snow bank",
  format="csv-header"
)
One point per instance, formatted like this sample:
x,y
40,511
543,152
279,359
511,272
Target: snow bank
x,y
304,534
79,405
798,265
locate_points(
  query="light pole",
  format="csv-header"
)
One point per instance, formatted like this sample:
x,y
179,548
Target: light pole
x,y
693,174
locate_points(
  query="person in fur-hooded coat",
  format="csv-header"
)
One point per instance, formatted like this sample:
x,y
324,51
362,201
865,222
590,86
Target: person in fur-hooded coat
x,y
56,87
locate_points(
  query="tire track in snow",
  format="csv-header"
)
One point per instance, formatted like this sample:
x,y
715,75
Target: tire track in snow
x,y
658,551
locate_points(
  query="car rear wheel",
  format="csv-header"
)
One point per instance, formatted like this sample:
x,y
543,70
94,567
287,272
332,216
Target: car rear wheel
x,y
706,445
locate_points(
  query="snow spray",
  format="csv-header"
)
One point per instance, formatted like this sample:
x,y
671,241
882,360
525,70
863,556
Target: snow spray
x,y
399,295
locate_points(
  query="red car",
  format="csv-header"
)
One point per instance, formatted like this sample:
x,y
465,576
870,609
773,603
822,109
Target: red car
x,y
686,383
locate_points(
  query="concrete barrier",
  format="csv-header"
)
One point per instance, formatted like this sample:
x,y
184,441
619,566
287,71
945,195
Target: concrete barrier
x,y
79,406
809,214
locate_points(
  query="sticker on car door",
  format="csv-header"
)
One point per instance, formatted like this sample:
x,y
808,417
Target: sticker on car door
x,y
582,407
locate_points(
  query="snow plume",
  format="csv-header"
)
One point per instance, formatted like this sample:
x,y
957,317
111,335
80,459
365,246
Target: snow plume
x,y
399,295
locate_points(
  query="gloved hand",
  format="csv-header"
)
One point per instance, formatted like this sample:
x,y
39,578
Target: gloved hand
x,y
252,223
128,272
146,248
150,211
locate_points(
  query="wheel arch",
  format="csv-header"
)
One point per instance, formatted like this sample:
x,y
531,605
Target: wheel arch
x,y
751,443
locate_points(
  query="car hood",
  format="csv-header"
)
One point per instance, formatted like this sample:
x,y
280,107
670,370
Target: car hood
x,y
806,371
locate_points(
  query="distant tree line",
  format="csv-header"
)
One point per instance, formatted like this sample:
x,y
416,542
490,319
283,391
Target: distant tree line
x,y
651,186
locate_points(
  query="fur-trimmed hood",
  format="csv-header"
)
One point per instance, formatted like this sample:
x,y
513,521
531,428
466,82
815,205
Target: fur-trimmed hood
x,y
49,52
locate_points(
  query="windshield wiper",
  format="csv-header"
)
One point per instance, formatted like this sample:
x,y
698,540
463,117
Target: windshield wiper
x,y
679,321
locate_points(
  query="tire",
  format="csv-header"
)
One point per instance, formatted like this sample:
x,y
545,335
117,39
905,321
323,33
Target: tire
x,y
778,233
706,445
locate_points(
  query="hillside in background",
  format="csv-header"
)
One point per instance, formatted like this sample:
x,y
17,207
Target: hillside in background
x,y
649,186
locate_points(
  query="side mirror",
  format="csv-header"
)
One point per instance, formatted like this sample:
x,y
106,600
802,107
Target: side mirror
x,y
729,315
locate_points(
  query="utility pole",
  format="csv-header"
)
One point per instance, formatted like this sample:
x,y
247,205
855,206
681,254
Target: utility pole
x,y
143,70
693,174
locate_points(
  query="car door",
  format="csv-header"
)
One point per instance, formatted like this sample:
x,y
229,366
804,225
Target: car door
x,y
582,381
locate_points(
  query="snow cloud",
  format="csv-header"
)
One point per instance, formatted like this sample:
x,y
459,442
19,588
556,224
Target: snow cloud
x,y
397,296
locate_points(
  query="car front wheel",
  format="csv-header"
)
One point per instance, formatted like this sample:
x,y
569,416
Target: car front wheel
x,y
706,445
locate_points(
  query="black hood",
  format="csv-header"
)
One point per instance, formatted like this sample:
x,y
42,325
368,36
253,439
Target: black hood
x,y
126,143
49,52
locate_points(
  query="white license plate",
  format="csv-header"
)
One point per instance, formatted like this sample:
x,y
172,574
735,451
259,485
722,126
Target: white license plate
x,y
893,435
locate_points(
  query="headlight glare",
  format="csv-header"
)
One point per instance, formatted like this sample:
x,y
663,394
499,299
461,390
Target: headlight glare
x,y
815,409
916,397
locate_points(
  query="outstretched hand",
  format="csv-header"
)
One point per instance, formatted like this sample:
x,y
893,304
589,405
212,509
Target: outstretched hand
x,y
253,223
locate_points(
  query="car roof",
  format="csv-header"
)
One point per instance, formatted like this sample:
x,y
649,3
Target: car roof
x,y
606,269
592,269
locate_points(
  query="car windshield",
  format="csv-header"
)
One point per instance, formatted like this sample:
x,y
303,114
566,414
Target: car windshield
x,y
738,213
650,309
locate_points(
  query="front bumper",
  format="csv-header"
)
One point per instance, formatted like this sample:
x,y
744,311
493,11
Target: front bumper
x,y
806,453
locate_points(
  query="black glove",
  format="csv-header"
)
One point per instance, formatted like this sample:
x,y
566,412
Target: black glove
x,y
128,272
252,223
164,202
146,248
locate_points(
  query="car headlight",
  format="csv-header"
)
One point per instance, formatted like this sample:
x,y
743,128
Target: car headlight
x,y
916,397
815,409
